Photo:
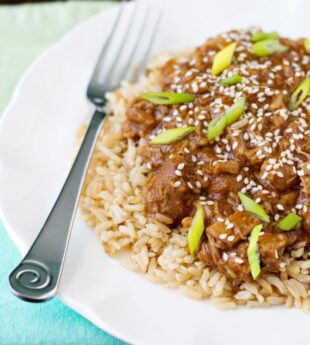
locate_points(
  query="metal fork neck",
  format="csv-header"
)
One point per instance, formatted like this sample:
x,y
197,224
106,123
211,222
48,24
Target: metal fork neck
x,y
36,278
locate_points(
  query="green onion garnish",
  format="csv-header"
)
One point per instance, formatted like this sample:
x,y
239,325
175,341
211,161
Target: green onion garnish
x,y
234,79
196,230
307,45
253,207
253,252
172,135
299,95
223,58
167,97
268,47
291,221
218,124
259,36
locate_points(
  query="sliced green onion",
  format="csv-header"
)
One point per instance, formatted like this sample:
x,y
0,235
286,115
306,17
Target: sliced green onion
x,y
167,97
307,45
259,36
196,230
218,124
223,58
268,47
234,79
300,94
253,252
172,135
291,221
253,207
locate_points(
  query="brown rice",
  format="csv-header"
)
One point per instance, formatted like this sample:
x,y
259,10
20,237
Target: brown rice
x,y
112,205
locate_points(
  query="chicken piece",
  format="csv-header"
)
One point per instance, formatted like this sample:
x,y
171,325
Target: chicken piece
x,y
229,167
287,200
277,102
305,179
223,184
271,247
234,264
140,119
281,178
209,253
162,196
304,201
236,227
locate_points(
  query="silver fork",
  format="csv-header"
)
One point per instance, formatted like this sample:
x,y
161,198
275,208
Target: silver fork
x,y
37,277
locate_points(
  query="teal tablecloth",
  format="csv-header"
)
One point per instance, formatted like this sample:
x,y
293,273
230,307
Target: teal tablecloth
x,y
25,31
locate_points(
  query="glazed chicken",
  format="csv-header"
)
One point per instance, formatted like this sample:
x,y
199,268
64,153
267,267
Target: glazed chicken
x,y
265,154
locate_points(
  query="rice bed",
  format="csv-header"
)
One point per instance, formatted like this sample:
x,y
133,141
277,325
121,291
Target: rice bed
x,y
112,204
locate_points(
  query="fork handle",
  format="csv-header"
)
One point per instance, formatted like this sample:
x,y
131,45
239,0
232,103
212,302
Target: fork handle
x,y
36,278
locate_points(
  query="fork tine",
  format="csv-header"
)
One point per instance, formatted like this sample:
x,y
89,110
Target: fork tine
x,y
135,46
121,48
150,45
102,79
98,66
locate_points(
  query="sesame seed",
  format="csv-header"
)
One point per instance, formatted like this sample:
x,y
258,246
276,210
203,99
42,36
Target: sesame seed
x,y
181,166
239,178
198,184
177,184
239,261
229,226
178,172
280,207
222,236
240,208
300,173
217,149
230,238
167,118
190,185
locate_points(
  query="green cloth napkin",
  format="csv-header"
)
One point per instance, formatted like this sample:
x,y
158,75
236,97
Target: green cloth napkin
x,y
25,32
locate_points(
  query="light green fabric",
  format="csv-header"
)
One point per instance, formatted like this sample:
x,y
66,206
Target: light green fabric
x,y
25,32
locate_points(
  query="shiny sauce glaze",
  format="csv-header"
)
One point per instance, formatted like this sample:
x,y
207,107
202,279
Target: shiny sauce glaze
x,y
265,154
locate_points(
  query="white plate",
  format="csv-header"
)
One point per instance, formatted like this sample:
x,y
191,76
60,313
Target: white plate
x,y
36,142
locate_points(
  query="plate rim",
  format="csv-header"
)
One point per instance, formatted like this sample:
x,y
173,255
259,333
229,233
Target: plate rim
x,y
74,304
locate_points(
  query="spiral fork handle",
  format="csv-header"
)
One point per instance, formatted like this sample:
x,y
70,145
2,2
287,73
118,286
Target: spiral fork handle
x,y
31,279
